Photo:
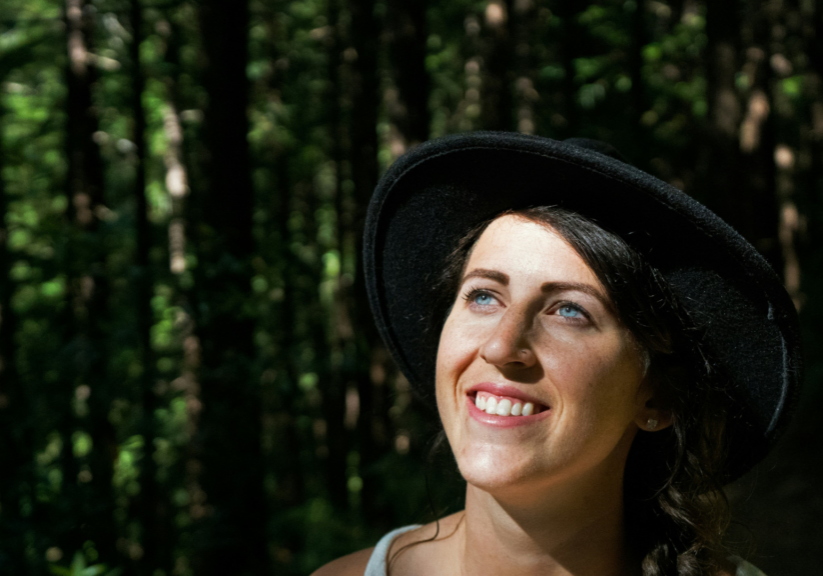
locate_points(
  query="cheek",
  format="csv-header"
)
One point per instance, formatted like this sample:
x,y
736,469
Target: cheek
x,y
456,349
456,353
599,376
448,364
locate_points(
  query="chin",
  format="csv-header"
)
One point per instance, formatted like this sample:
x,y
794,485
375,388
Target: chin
x,y
495,469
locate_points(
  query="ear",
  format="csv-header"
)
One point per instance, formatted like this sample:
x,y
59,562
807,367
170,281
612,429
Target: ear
x,y
654,415
654,412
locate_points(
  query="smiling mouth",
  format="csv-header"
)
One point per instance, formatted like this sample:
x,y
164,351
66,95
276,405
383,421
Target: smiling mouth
x,y
494,404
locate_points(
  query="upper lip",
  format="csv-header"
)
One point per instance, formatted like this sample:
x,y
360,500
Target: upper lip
x,y
504,390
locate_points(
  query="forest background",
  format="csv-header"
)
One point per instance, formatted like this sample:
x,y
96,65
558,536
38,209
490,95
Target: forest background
x,y
190,381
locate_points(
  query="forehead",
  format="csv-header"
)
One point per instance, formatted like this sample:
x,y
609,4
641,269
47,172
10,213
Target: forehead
x,y
518,246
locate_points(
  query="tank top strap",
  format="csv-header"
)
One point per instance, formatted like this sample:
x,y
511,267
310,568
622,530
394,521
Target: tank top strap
x,y
377,562
745,568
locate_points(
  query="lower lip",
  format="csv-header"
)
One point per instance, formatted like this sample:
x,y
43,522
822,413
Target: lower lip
x,y
503,421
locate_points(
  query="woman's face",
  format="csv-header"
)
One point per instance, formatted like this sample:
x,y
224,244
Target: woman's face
x,y
532,326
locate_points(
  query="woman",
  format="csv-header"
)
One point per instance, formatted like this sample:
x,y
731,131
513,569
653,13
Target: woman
x,y
603,351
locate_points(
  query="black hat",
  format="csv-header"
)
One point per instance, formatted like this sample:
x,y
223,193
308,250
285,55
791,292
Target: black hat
x,y
435,194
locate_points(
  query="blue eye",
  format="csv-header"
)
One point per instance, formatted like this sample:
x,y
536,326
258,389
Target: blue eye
x,y
482,299
568,311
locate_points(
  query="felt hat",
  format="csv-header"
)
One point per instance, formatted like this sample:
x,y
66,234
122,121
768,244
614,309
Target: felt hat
x,y
435,194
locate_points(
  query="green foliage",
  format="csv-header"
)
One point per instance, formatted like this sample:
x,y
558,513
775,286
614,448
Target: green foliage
x,y
78,567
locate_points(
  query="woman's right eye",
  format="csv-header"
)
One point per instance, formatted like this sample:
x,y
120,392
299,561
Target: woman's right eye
x,y
480,298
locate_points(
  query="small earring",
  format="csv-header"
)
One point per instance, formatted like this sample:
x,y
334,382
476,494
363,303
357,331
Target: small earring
x,y
651,424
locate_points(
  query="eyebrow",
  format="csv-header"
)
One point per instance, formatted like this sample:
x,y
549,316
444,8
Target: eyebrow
x,y
580,287
495,275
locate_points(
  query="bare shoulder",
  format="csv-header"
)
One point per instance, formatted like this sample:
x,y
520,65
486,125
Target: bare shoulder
x,y
350,565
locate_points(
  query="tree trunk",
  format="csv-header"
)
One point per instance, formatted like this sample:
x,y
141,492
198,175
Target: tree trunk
x,y
364,33
784,19
334,390
234,527
88,301
756,138
721,176
293,492
496,100
814,44
676,16
524,28
568,11
153,510
186,470
640,38
16,446
408,33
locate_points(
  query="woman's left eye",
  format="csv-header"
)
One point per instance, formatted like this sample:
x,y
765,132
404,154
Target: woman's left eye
x,y
570,311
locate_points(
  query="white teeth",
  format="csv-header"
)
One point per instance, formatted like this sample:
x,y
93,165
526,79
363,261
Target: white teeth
x,y
503,406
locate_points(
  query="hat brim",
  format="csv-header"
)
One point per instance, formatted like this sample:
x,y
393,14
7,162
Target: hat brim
x,y
431,197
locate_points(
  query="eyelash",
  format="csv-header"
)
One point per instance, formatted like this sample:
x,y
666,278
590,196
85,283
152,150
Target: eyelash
x,y
474,292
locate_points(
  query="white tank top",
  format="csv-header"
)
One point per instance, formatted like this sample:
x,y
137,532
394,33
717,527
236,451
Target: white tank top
x,y
377,562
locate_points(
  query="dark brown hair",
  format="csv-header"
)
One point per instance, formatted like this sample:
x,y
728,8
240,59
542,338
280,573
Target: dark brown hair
x,y
676,511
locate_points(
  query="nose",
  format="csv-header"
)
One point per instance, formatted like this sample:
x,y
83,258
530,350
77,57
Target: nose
x,y
509,344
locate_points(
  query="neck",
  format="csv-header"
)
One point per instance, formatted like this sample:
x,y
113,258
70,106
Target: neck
x,y
564,529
